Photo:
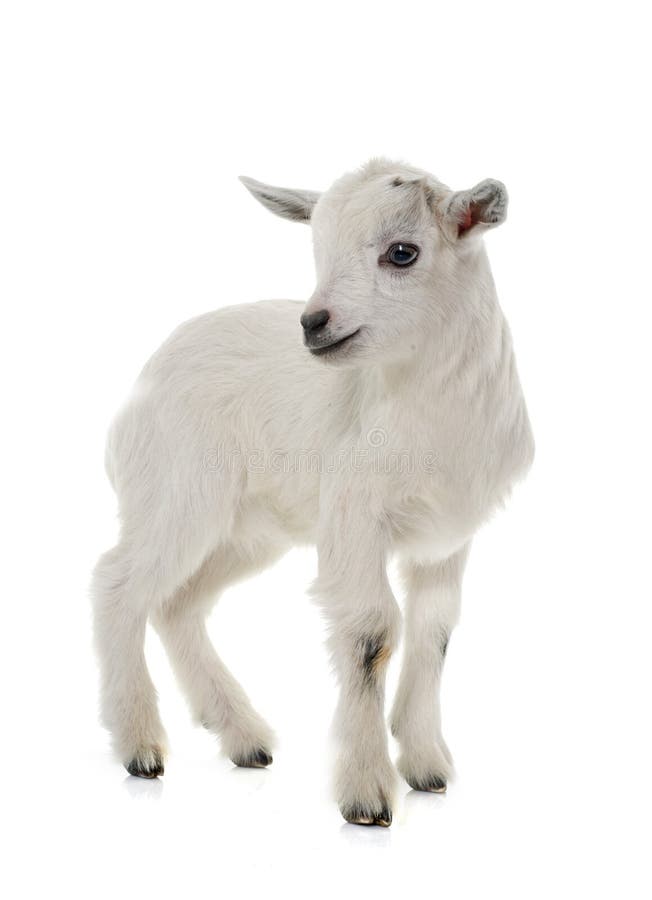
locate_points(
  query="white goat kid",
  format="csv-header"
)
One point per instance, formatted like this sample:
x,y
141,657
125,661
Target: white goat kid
x,y
407,392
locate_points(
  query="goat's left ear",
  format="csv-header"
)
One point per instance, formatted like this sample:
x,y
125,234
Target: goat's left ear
x,y
467,213
296,205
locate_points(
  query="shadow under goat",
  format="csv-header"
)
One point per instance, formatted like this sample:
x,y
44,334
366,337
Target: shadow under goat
x,y
398,375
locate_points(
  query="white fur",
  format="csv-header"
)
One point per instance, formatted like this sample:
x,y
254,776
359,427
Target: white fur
x,y
238,442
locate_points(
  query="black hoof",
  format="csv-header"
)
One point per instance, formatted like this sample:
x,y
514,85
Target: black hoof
x,y
357,815
258,759
432,783
151,769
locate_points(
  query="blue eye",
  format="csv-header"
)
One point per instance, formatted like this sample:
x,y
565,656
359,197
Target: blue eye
x,y
402,254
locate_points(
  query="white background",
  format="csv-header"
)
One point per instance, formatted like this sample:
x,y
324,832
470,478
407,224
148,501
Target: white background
x,y
124,127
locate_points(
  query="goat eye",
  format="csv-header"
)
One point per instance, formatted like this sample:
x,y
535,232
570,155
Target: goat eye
x,y
402,254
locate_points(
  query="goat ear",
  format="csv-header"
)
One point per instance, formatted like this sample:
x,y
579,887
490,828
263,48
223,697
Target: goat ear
x,y
295,205
472,212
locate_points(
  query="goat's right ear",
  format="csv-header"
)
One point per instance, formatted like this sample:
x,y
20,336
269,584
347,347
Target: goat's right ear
x,y
288,203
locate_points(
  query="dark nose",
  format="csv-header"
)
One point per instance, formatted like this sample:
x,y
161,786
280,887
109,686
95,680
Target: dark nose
x,y
314,322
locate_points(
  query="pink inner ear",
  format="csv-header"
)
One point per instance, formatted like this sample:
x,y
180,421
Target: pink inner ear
x,y
466,222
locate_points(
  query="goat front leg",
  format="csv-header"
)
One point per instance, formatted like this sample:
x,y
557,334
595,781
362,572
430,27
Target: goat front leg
x,y
432,611
364,621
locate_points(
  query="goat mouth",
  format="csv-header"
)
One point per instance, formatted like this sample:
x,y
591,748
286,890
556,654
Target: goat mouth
x,y
332,348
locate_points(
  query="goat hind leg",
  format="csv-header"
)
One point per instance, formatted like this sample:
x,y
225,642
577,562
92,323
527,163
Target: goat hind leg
x,y
217,700
128,698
